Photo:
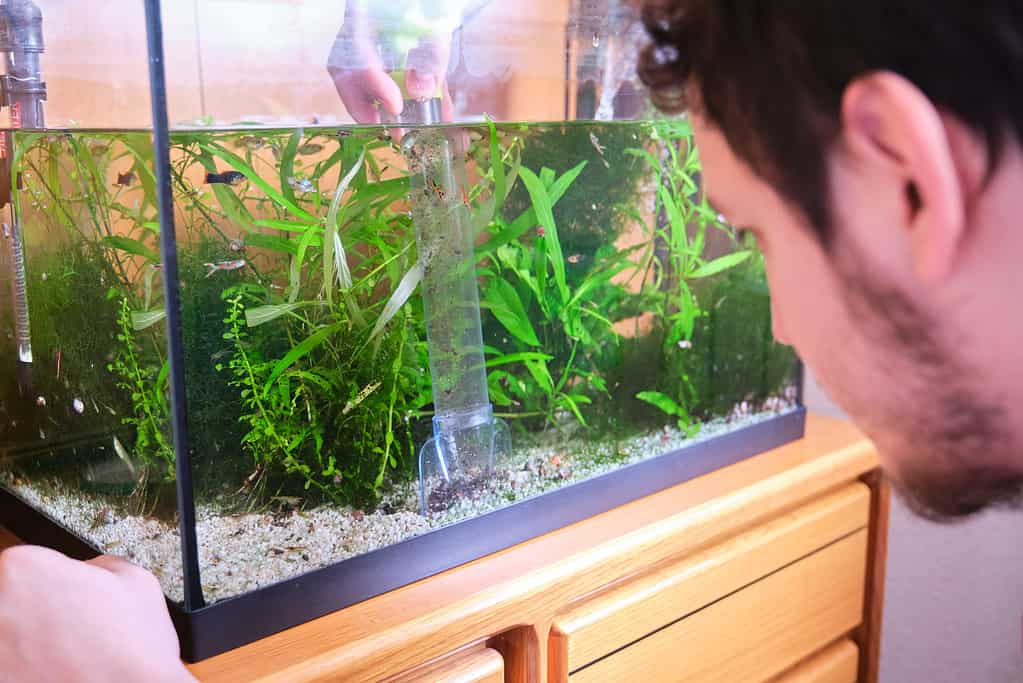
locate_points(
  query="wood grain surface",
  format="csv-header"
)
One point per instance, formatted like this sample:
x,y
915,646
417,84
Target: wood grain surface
x,y
755,633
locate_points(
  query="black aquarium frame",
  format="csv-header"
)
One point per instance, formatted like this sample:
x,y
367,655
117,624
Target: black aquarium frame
x,y
207,630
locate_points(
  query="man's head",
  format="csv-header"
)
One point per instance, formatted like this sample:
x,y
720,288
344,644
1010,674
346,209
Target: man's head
x,y
873,148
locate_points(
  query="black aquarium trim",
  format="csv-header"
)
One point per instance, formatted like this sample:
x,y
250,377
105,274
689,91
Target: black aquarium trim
x,y
172,305
234,622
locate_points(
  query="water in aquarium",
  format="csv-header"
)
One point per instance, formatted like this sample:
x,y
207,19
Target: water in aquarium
x,y
381,336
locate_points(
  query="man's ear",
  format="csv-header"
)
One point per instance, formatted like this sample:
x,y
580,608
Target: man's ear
x,y
891,128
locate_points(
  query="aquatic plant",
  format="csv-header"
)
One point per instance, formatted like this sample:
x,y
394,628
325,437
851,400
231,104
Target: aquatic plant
x,y
681,219
306,360
559,331
146,384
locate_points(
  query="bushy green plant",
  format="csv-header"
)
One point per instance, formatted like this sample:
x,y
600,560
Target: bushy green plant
x,y
146,384
556,335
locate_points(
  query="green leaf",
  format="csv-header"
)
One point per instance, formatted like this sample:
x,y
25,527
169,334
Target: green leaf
x,y
300,351
496,391
401,295
541,374
131,246
287,226
497,164
545,215
571,402
142,320
334,257
272,243
721,264
663,402
288,164
254,317
527,219
503,301
297,261
518,358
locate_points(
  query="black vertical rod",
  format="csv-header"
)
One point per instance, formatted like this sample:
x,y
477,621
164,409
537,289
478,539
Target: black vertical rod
x,y
172,303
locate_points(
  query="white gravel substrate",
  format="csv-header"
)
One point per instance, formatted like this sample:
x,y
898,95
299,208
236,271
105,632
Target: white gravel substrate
x,y
242,552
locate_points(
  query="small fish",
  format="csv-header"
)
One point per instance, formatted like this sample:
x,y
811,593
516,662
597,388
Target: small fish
x,y
436,188
103,518
224,266
122,453
253,142
78,406
125,179
599,147
310,148
342,134
302,184
236,245
465,198
226,178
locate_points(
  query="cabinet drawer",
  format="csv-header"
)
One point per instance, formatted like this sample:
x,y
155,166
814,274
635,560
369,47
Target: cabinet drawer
x,y
481,665
755,633
627,613
837,663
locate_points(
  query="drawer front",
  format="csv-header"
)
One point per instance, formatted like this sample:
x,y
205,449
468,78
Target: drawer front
x,y
837,663
756,633
627,613
482,665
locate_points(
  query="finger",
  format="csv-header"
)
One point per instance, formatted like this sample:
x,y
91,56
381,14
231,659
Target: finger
x,y
427,64
447,105
420,85
113,564
366,92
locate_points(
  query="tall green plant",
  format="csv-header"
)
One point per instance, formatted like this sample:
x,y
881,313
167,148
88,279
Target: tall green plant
x,y
147,386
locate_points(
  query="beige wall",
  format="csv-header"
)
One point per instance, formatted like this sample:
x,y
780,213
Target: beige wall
x,y
953,596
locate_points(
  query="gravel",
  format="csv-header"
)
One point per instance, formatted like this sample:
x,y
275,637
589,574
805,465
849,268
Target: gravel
x,y
242,552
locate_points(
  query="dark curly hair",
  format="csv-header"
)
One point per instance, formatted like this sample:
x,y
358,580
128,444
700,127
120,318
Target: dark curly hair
x,y
770,74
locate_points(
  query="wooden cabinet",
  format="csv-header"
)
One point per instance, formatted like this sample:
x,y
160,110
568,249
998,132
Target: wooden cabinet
x,y
837,663
479,665
745,609
769,570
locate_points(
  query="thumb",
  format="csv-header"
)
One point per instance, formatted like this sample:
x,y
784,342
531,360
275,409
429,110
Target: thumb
x,y
420,85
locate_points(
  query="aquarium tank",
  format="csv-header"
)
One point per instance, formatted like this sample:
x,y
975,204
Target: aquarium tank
x,y
302,302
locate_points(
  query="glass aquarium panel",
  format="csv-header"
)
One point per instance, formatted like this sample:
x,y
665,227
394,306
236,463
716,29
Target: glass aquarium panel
x,y
84,414
382,337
